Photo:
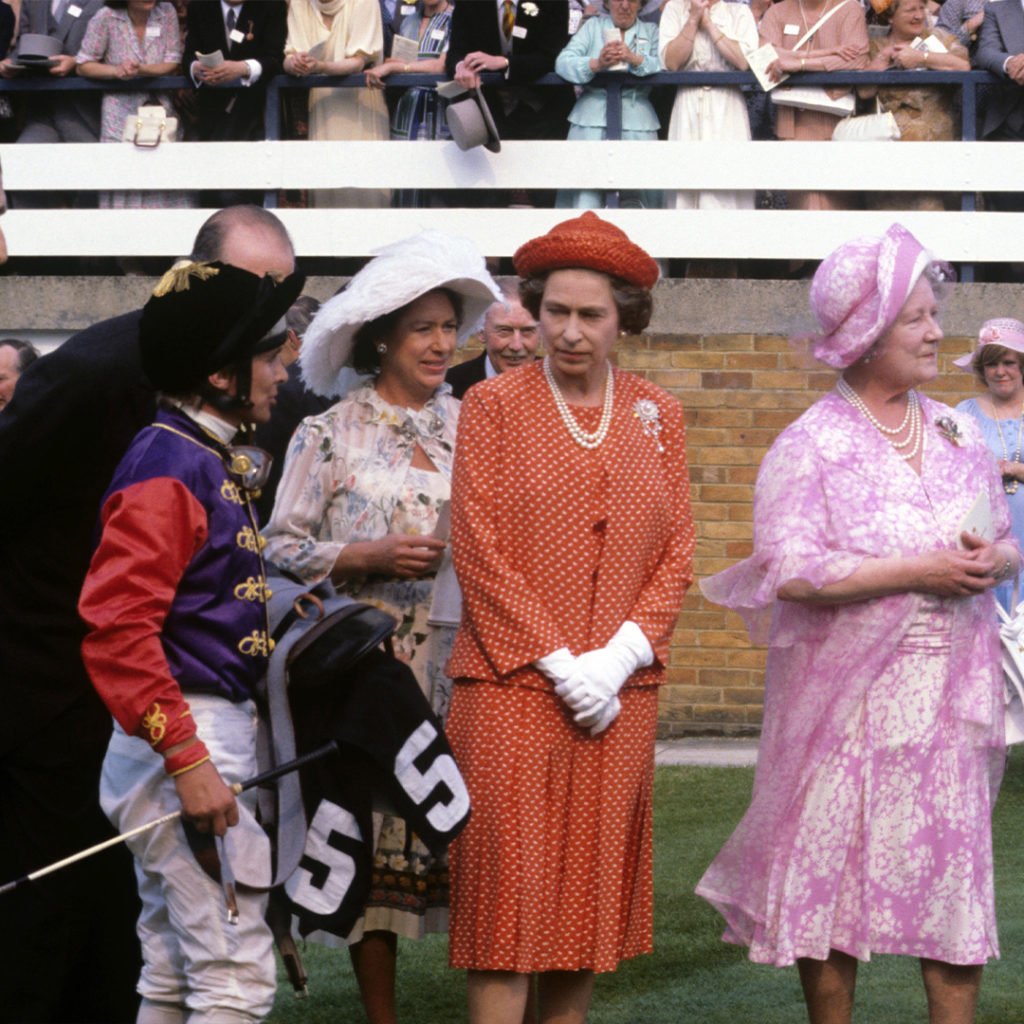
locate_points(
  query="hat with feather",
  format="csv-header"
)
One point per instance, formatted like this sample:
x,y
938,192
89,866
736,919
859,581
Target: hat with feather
x,y
398,274
203,317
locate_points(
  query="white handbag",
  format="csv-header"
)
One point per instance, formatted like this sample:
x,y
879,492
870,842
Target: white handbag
x,y
880,126
150,126
1011,637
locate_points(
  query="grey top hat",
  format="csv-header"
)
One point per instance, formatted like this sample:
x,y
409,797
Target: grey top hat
x,y
36,50
469,117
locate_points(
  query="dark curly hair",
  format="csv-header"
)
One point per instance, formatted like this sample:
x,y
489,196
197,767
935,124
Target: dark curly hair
x,y
632,302
365,357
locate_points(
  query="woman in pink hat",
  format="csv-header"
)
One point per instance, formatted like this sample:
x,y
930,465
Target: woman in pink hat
x,y
998,363
870,826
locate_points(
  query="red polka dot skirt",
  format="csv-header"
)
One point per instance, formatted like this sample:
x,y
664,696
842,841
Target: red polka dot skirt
x,y
553,872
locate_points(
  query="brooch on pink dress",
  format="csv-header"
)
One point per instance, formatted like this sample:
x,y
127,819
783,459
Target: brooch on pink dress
x,y
646,410
950,430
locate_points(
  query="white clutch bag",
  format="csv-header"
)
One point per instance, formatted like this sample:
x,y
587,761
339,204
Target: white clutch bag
x,y
814,97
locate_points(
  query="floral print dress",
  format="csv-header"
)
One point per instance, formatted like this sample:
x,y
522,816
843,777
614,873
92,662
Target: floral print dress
x,y
348,476
111,39
869,830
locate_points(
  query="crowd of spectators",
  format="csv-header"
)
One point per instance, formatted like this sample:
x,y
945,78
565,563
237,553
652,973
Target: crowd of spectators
x,y
229,49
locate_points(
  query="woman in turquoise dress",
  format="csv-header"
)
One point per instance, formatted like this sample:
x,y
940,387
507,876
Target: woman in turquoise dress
x,y
361,502
615,42
998,363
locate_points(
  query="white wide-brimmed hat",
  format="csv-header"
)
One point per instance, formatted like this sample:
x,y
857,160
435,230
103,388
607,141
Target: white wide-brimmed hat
x,y
398,274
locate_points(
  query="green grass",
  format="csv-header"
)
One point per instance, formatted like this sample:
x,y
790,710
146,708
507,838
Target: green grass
x,y
692,977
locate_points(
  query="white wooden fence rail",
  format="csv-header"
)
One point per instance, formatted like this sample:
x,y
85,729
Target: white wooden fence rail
x,y
958,167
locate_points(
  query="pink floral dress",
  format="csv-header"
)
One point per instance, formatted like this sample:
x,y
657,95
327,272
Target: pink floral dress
x,y
869,830
111,39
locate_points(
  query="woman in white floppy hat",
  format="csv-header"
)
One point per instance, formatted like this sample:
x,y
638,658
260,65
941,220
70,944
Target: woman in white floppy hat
x,y
998,363
363,488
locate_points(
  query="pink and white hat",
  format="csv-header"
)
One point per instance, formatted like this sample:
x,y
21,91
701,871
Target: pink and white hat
x,y
1004,331
859,289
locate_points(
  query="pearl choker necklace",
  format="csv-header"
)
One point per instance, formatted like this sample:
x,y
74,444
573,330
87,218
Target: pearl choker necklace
x,y
911,421
579,435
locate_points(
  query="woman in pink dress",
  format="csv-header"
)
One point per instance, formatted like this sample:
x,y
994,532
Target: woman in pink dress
x,y
133,39
869,830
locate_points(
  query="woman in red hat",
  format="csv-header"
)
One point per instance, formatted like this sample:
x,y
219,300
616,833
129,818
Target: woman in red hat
x,y
573,541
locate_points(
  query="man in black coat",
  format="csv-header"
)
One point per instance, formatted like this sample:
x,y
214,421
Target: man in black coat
x,y
536,36
71,952
510,335
251,37
1001,51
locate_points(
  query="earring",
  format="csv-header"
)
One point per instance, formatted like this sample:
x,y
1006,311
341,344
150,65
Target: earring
x,y
381,348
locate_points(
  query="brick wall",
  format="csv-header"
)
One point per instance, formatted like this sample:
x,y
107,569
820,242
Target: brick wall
x,y
720,347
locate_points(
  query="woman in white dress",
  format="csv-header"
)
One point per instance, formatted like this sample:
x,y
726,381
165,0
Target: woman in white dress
x,y
697,35
339,37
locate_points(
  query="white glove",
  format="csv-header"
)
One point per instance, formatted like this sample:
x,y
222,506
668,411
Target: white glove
x,y
562,669
559,666
599,720
604,671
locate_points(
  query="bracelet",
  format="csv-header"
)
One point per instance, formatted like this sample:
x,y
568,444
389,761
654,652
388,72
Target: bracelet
x,y
185,760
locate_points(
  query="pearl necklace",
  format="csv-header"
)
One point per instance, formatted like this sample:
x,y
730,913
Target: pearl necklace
x,y
578,434
1010,484
911,421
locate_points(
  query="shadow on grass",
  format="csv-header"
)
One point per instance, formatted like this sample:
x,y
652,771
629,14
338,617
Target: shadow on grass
x,y
693,977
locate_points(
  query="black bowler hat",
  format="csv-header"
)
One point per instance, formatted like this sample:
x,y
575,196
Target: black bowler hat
x,y
202,317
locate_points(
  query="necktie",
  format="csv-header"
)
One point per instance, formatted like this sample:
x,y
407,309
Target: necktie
x,y
231,19
508,19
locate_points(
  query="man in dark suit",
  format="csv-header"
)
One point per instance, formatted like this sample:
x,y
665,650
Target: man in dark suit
x,y
56,116
251,36
510,335
536,33
73,955
1001,51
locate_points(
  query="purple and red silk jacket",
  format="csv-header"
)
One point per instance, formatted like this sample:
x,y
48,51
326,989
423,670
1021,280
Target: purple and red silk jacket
x,y
175,597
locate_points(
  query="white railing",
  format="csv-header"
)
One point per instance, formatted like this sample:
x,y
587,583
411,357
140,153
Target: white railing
x,y
964,167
